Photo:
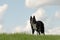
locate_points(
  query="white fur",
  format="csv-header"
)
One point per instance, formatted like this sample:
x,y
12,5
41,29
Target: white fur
x,y
34,26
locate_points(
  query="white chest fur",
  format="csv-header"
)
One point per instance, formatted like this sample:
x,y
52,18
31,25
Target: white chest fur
x,y
34,26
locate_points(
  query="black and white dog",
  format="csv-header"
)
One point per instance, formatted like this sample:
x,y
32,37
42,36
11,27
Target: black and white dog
x,y
36,25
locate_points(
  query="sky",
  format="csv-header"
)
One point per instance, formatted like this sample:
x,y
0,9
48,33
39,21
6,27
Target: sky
x,y
15,15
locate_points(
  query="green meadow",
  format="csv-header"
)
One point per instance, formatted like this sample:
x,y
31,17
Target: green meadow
x,y
22,36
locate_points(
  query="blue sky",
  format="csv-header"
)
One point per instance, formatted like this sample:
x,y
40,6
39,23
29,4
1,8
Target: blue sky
x,y
18,13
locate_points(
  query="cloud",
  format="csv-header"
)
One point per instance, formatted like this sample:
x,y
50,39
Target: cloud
x,y
57,14
40,14
21,29
1,28
54,31
18,29
3,8
36,3
28,27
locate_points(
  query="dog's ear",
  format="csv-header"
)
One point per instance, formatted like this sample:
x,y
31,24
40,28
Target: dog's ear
x,y
30,17
34,18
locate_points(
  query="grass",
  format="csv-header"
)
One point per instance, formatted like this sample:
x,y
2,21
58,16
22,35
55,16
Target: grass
x,y
28,37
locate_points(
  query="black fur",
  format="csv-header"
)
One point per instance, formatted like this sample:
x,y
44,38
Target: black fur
x,y
39,25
